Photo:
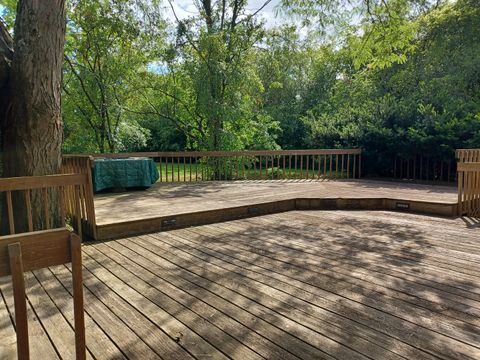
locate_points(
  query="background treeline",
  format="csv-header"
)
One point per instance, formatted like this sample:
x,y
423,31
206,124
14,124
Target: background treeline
x,y
397,80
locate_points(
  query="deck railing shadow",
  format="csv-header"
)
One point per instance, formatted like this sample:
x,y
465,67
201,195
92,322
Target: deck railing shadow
x,y
241,265
299,284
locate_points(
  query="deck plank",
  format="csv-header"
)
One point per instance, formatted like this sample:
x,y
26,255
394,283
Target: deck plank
x,y
245,299
165,199
370,297
129,343
242,284
40,345
181,331
322,266
261,327
296,285
8,345
437,343
97,341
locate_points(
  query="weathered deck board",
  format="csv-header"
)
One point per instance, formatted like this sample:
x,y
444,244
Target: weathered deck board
x,y
164,199
301,284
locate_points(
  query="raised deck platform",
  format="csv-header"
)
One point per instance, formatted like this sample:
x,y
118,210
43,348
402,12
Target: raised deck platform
x,y
175,205
297,285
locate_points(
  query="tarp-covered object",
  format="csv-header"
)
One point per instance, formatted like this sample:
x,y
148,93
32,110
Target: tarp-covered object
x,y
124,173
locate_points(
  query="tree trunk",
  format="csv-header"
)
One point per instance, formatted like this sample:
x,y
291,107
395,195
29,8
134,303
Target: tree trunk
x,y
33,131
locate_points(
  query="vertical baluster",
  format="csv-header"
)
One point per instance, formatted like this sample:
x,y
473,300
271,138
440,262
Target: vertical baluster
x,y
330,175
308,161
63,214
336,166
461,204
78,211
46,211
313,167
295,167
242,166
184,169
166,167
83,210
325,166
196,168
237,167
301,166
273,167
283,167
348,166
343,163
354,165
319,157
28,207
254,168
266,167
190,168
226,167
178,168
160,168
11,222
289,166
260,166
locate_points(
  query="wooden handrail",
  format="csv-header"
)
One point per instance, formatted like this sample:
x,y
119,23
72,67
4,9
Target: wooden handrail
x,y
39,182
70,190
157,154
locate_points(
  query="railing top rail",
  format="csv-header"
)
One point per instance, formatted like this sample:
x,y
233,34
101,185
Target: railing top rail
x,y
224,153
39,182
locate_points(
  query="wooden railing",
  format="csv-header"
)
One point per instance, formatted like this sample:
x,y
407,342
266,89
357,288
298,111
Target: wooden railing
x,y
424,168
29,203
83,165
249,165
468,168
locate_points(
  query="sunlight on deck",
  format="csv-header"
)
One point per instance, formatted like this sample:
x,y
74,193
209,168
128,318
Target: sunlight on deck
x,y
301,284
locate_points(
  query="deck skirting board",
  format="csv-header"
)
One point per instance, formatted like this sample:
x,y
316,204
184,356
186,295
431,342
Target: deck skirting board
x,y
183,220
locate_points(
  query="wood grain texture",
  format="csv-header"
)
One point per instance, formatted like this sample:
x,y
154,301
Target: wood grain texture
x,y
292,285
19,296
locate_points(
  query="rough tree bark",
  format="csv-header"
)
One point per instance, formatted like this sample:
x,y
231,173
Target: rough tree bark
x,y
32,127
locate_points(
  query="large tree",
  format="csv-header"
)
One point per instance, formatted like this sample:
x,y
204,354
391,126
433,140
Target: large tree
x,y
31,82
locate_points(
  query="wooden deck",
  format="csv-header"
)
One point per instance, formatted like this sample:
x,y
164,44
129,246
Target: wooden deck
x,y
122,214
301,284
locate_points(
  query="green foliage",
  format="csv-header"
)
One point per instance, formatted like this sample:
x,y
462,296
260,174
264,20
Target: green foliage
x,y
109,46
8,11
428,103
395,77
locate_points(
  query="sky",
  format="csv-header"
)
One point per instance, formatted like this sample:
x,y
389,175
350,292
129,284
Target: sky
x,y
185,8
